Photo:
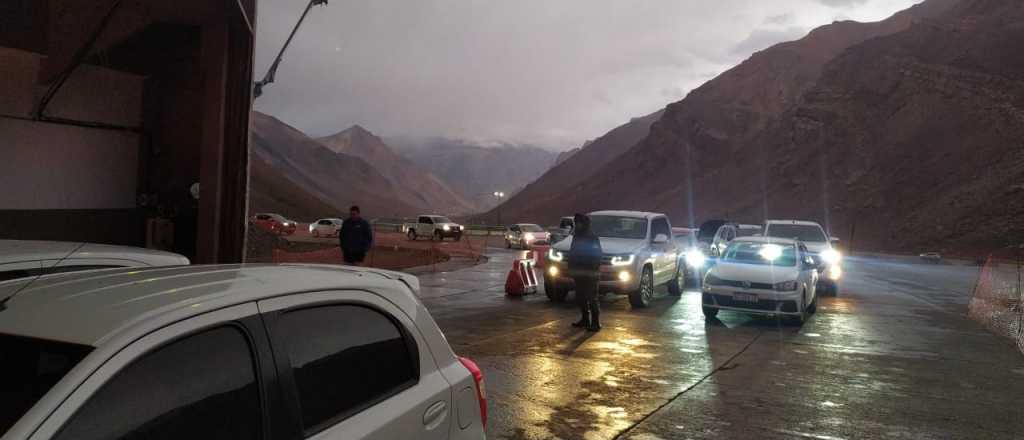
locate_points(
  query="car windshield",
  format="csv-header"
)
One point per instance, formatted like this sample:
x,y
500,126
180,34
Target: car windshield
x,y
799,232
761,254
442,220
618,227
31,367
747,232
531,228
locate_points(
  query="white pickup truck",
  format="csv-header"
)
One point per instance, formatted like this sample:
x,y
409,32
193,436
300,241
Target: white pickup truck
x,y
435,227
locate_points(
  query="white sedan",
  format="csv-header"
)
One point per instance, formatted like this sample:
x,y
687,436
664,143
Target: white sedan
x,y
325,227
763,275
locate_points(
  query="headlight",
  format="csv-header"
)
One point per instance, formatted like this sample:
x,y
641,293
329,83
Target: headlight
x,y
623,260
835,272
786,286
831,256
554,255
711,280
528,236
446,227
695,258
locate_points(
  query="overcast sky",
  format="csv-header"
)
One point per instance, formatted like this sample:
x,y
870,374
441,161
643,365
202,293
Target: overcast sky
x,y
548,72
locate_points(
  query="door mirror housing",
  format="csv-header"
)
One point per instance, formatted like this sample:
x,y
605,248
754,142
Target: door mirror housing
x,y
660,239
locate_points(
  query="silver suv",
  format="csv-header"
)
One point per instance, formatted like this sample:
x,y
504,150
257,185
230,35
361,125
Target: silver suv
x,y
240,352
639,254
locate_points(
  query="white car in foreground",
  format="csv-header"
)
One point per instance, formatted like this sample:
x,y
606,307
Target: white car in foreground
x,y
762,275
239,352
29,258
638,255
819,244
325,227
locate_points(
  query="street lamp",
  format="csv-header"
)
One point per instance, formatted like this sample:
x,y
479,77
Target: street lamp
x,y
499,195
257,89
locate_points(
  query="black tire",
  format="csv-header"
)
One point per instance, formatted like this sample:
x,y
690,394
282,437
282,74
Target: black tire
x,y
438,236
458,237
800,319
813,307
316,233
553,292
709,312
508,244
411,234
678,283
645,293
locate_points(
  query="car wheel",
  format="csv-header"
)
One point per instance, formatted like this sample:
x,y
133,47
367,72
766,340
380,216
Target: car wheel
x,y
508,244
678,284
802,317
709,312
316,233
642,297
411,234
458,237
437,236
554,293
813,307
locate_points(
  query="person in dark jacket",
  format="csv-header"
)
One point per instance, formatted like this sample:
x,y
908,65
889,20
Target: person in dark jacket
x,y
584,268
356,237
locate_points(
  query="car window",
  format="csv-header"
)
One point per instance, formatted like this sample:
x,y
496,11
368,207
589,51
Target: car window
x,y
532,228
31,367
325,222
426,220
612,226
800,232
515,228
345,358
201,386
262,217
760,253
565,224
660,226
747,232
442,220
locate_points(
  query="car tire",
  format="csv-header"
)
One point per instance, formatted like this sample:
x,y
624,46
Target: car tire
x,y
458,237
813,307
316,233
642,297
437,236
678,283
411,234
709,312
800,319
508,244
553,292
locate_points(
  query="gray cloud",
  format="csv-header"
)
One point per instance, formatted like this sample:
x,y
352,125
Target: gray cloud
x,y
534,71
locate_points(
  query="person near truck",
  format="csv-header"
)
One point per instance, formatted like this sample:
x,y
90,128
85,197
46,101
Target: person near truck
x,y
584,268
356,237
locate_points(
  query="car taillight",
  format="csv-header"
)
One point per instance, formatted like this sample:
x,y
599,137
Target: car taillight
x,y
481,392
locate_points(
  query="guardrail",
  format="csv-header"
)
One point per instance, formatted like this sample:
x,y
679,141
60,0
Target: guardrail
x,y
997,298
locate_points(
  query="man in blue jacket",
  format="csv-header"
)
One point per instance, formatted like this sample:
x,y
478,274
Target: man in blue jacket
x,y
356,237
584,268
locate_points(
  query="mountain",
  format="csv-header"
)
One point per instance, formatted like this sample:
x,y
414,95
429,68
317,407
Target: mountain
x,y
417,187
476,170
565,155
544,198
902,135
298,177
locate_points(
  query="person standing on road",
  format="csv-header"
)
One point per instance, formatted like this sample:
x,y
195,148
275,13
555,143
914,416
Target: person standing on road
x,y
356,237
584,268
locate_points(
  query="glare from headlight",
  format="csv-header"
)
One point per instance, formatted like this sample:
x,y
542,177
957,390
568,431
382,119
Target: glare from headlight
x,y
553,270
554,255
831,256
528,236
623,260
624,276
786,286
835,272
695,258
770,252
446,227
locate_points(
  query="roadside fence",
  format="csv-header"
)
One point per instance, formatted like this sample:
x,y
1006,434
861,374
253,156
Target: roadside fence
x,y
997,298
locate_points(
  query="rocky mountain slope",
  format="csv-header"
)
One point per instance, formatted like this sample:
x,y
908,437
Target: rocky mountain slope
x,y
416,186
298,177
543,199
903,135
477,171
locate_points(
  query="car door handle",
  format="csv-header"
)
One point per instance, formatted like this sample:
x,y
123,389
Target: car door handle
x,y
435,414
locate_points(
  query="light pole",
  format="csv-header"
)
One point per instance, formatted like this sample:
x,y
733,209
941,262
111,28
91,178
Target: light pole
x,y
269,77
499,195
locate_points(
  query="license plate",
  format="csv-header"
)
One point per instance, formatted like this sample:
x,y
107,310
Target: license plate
x,y
744,297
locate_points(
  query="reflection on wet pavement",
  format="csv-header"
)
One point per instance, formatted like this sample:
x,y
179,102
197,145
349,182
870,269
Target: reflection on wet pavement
x,y
875,361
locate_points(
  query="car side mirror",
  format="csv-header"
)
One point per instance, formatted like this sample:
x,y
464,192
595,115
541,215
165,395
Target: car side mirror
x,y
660,239
834,239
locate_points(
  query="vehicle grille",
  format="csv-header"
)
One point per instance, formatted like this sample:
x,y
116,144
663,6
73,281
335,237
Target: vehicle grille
x,y
762,286
762,304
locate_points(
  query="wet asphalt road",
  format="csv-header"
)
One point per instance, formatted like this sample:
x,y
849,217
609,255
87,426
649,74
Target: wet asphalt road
x,y
892,356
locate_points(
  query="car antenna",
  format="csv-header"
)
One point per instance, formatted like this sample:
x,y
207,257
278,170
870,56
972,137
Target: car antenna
x,y
3,302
